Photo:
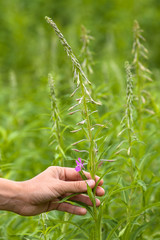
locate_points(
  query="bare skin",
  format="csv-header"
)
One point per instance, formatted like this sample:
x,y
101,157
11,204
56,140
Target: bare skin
x,y
43,192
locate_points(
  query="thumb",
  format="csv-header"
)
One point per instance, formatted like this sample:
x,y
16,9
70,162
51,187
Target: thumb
x,y
78,186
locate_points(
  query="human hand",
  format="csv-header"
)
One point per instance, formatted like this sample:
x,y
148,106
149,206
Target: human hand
x,y
43,192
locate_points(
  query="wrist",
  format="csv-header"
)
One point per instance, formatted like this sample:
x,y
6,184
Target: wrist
x,y
10,195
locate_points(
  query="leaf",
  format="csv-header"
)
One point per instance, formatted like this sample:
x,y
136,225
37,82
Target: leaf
x,y
108,170
67,197
141,211
82,140
113,231
142,184
50,229
121,132
91,195
122,189
86,206
74,224
61,150
135,234
122,231
83,176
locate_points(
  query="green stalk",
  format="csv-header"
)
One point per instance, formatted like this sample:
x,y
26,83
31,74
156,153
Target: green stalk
x,y
139,80
129,126
59,140
55,117
85,51
85,93
140,54
91,163
141,72
44,226
128,115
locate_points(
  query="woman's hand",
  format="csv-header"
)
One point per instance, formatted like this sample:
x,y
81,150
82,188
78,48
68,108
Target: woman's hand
x,y
43,192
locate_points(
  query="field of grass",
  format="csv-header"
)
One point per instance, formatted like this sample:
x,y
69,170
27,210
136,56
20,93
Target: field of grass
x,y
120,134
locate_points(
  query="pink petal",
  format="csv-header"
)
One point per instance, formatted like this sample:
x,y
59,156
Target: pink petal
x,y
79,159
78,168
77,162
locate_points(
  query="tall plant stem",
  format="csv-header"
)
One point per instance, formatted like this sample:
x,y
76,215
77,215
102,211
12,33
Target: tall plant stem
x,y
91,163
80,75
60,141
129,113
130,143
56,117
90,138
44,225
139,94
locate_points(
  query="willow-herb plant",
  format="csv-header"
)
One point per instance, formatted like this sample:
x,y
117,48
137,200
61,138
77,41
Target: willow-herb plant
x,y
86,53
43,220
127,120
127,133
56,133
84,102
145,103
142,74
57,142
129,139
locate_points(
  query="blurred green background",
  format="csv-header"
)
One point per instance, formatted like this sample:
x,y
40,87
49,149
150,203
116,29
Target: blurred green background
x,y
25,38
29,50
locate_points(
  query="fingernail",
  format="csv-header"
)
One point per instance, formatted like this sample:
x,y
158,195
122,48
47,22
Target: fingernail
x,y
90,183
83,211
98,202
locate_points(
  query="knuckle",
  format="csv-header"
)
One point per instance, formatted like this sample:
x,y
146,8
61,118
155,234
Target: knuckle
x,y
53,169
50,168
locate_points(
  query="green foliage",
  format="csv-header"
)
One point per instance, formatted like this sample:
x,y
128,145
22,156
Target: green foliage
x,y
37,131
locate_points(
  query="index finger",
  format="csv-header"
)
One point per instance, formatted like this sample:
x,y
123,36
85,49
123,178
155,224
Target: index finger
x,y
70,174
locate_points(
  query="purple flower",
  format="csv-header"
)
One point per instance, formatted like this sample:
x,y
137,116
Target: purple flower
x,y
79,165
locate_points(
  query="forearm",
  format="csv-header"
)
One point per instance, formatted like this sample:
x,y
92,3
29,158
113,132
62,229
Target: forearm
x,y
9,194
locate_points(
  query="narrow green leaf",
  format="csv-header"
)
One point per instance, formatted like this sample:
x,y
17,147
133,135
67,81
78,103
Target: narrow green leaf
x,y
142,184
68,197
108,170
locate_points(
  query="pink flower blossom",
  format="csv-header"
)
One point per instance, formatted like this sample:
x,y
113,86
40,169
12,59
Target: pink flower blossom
x,y
79,166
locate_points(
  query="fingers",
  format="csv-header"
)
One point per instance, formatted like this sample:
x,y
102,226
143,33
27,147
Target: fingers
x,y
70,174
77,186
84,199
96,178
101,181
100,191
66,207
